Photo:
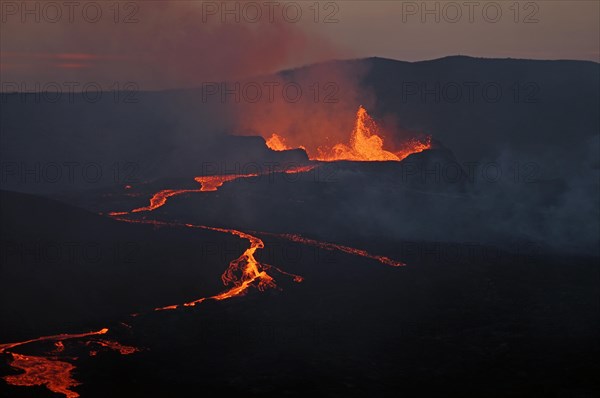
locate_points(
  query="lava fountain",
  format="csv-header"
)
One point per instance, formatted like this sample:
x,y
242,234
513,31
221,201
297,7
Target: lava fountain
x,y
366,144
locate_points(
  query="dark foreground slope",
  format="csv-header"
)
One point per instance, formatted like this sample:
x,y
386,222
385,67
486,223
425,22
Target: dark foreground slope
x,y
458,320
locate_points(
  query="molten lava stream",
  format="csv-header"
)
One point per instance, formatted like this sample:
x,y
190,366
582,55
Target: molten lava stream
x,y
251,272
49,371
39,371
333,246
56,337
243,272
113,345
207,184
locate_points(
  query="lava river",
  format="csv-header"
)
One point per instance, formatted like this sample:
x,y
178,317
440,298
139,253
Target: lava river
x,y
54,370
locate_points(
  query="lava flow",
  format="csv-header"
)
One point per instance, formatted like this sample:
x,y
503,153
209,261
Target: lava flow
x,y
253,273
243,273
48,371
333,246
40,371
207,184
365,144
57,337
113,345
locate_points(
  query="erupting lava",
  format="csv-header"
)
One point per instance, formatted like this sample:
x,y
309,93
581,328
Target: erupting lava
x,y
277,143
365,144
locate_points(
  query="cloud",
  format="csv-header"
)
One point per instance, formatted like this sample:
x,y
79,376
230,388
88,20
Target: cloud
x,y
170,45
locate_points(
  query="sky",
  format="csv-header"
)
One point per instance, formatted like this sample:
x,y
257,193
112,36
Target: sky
x,y
181,44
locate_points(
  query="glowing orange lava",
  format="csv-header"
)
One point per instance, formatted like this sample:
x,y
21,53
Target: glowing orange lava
x,y
160,198
334,246
57,337
113,345
212,183
207,184
277,143
39,371
365,144
243,272
56,375
60,347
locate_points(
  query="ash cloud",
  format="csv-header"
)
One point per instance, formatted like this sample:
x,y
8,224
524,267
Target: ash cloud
x,y
165,45
311,107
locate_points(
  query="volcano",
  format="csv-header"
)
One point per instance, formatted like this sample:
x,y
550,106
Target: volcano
x,y
401,253
365,144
